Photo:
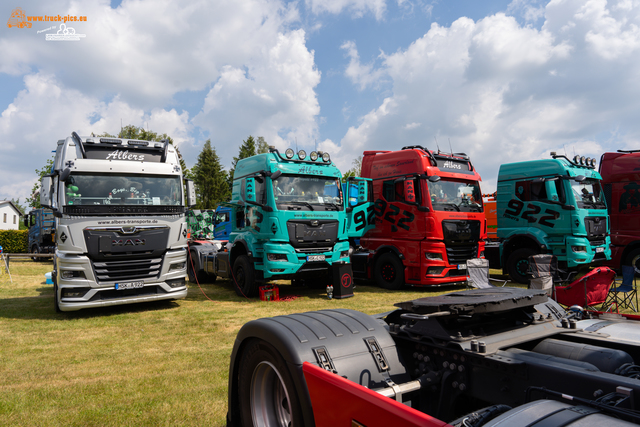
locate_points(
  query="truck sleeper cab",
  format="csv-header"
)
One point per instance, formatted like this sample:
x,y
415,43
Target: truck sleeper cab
x,y
428,218
554,206
121,230
288,221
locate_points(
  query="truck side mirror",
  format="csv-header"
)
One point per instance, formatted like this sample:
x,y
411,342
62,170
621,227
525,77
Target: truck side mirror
x,y
434,178
45,191
276,174
409,191
250,190
579,178
552,193
65,174
191,193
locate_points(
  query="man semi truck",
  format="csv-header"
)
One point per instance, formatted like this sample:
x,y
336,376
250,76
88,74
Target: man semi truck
x,y
428,218
121,233
289,220
621,181
553,206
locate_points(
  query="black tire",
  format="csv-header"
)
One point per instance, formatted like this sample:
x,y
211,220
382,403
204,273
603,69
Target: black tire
x,y
35,250
56,303
267,394
518,265
633,259
244,277
389,272
201,276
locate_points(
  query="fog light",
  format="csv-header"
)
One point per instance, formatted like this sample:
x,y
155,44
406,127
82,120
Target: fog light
x,y
177,283
277,270
73,292
435,270
579,248
177,266
277,257
434,256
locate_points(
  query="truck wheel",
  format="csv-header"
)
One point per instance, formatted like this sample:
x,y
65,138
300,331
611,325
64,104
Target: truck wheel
x,y
633,259
56,303
35,250
200,276
518,265
244,277
389,272
268,396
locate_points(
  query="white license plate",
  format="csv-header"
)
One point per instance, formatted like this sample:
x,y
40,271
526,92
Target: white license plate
x,y
599,250
315,257
129,285
462,266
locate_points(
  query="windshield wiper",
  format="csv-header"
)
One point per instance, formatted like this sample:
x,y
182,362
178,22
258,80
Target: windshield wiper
x,y
334,205
307,204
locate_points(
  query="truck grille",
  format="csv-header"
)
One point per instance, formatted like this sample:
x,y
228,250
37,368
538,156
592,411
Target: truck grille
x,y
459,254
312,233
113,271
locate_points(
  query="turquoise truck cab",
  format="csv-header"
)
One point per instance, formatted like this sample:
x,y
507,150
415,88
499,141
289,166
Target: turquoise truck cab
x,y
289,220
554,206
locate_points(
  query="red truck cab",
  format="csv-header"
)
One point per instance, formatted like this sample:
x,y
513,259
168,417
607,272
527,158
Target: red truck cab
x,y
428,217
621,184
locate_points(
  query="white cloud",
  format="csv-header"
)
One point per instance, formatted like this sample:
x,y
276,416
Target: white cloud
x,y
361,75
505,92
357,8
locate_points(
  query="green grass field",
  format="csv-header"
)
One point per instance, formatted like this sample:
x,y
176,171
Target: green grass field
x,y
148,364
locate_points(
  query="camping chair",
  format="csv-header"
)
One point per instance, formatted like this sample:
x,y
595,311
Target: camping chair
x,y
588,291
623,294
543,268
478,269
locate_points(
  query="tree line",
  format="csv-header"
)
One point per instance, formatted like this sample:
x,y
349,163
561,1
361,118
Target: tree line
x,y
213,183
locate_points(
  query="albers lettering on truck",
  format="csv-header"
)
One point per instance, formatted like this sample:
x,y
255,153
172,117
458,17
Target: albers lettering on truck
x,y
121,234
289,220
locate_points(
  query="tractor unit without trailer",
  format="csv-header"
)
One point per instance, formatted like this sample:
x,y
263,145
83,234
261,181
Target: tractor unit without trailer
x,y
289,220
621,183
553,206
42,231
428,218
485,357
121,233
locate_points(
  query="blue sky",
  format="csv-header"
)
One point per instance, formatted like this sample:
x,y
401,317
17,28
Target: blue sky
x,y
500,80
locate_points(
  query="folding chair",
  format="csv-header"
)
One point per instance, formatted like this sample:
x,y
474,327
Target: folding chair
x,y
478,269
623,294
543,268
588,291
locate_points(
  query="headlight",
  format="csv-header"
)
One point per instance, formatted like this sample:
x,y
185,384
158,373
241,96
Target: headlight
x,y
345,254
177,266
433,256
276,257
579,248
71,274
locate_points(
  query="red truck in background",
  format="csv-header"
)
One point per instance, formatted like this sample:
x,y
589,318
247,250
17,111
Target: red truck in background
x,y
428,218
621,181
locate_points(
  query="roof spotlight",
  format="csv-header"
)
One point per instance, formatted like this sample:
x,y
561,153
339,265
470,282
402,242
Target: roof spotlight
x,y
302,154
576,159
313,156
582,160
289,153
326,157
593,163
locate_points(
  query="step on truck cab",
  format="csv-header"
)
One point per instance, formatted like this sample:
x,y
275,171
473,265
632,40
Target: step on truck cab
x,y
553,206
621,181
428,218
121,233
289,220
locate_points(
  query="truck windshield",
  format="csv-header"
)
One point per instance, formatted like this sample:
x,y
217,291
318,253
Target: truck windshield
x,y
457,196
588,194
307,193
109,189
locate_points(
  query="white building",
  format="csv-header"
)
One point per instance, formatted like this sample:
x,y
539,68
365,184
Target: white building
x,y
9,215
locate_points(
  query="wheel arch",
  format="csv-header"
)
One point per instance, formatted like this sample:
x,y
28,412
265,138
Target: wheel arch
x,y
239,248
629,248
385,249
519,241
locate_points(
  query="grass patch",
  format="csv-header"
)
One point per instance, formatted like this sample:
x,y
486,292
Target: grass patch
x,y
149,364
